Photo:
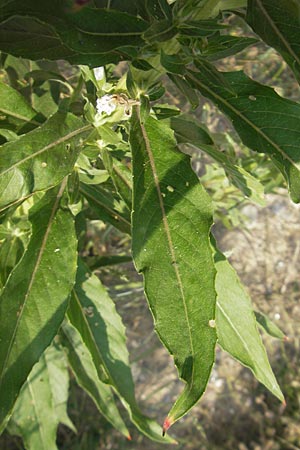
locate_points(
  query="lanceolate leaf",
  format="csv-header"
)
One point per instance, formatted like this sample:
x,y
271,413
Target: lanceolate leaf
x,y
94,315
42,402
40,159
277,22
34,299
236,325
269,326
171,219
265,121
86,376
106,206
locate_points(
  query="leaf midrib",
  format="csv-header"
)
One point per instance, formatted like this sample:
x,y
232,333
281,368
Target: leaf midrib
x,y
245,119
167,231
33,275
47,147
277,31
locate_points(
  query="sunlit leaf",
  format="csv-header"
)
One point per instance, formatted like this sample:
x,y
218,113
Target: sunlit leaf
x,y
34,299
265,121
236,325
86,376
94,315
40,159
171,219
42,403
277,22
268,325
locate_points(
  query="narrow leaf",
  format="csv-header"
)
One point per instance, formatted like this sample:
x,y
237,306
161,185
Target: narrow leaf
x,y
277,22
172,216
94,315
40,159
106,206
269,326
34,299
189,132
222,46
265,121
86,376
236,326
42,402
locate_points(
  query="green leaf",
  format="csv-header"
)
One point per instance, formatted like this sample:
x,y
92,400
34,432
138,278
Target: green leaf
x,y
277,22
86,376
269,326
11,251
236,326
160,31
189,132
42,402
54,31
34,299
14,109
172,63
185,89
221,46
94,315
265,121
171,219
120,175
40,159
107,207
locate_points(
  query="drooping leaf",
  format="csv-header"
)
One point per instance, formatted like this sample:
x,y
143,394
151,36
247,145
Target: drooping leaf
x,y
40,159
269,326
86,376
88,36
221,46
171,219
265,121
236,326
188,131
94,315
277,22
42,402
106,206
34,299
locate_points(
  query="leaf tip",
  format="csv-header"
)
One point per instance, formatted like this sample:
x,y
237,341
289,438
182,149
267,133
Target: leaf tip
x,y
166,425
129,438
286,339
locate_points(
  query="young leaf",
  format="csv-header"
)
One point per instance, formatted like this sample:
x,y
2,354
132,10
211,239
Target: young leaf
x,y
265,121
86,376
94,315
42,402
34,299
40,159
277,22
171,219
269,326
236,326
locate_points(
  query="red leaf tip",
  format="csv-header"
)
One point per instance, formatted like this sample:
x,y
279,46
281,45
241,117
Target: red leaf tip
x,y
129,438
167,423
286,339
